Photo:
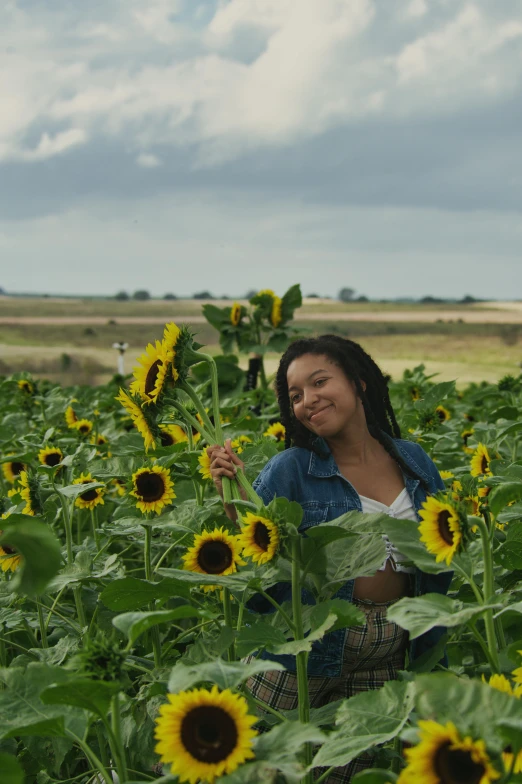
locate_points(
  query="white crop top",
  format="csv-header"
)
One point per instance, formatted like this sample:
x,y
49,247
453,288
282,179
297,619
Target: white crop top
x,y
401,508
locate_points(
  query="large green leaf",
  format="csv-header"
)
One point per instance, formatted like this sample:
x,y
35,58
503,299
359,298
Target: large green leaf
x,y
226,675
365,720
347,614
12,772
347,559
504,494
474,707
73,491
420,614
40,550
134,624
406,538
130,593
296,646
93,696
22,712
258,636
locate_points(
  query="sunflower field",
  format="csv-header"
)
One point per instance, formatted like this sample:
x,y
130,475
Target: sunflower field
x,y
127,634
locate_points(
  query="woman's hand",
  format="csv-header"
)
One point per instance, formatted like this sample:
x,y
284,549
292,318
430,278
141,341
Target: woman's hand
x,y
225,462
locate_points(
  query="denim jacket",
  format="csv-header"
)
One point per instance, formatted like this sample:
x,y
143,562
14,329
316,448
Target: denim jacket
x,y
315,482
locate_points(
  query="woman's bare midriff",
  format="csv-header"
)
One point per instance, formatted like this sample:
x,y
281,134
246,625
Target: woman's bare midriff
x,y
383,586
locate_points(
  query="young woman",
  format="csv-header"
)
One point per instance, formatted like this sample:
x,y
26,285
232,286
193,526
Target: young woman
x,y
343,452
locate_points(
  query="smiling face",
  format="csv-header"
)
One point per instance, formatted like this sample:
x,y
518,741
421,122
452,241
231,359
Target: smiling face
x,y
323,399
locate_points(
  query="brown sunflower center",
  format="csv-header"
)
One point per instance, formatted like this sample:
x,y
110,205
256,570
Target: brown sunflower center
x,y
262,536
150,486
90,495
52,459
209,734
8,550
152,375
17,468
444,528
166,439
214,557
454,766
484,464
84,428
441,414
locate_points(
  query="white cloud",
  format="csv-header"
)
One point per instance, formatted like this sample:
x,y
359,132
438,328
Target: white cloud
x,y
148,160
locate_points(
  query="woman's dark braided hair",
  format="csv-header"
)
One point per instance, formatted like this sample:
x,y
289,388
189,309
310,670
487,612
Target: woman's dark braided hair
x,y
358,366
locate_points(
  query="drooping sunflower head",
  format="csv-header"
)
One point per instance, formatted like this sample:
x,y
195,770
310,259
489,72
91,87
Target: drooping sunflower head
x,y
25,386
440,529
91,498
151,373
50,455
442,413
259,538
236,312
142,420
480,461
428,420
153,488
172,434
70,416
204,734
12,470
100,659
442,756
277,430
30,493
83,426
204,465
178,343
213,552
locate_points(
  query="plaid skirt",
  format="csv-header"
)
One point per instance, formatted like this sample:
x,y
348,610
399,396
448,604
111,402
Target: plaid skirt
x,y
372,655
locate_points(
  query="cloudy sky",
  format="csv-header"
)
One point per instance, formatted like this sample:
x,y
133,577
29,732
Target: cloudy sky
x,y
181,145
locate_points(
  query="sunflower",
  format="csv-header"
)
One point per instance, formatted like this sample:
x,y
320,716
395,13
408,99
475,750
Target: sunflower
x,y
276,315
12,470
119,485
139,419
99,440
171,336
204,734
90,498
440,529
70,416
442,756
239,442
150,377
473,503
259,538
446,474
83,426
277,430
153,488
25,386
480,461
465,435
204,465
235,313
415,393
172,434
50,456
29,493
501,683
10,559
442,413
213,552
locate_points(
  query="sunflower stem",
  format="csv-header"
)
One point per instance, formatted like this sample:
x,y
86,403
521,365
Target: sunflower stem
x,y
227,612
278,607
488,593
481,641
91,756
41,623
303,700
77,591
94,524
207,424
156,642
119,750
192,421
66,524
247,487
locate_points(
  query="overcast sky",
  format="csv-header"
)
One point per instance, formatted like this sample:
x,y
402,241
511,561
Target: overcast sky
x,y
228,145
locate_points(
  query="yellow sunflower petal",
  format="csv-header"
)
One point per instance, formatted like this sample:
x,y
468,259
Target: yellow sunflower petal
x,y
259,538
440,529
153,488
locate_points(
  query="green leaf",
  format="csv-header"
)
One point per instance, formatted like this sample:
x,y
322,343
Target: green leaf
x,y
93,696
130,593
73,491
218,317
224,674
40,550
427,661
365,720
474,707
406,538
134,624
236,582
503,495
420,614
291,300
509,556
346,559
12,772
296,646
347,614
23,713
374,776
258,636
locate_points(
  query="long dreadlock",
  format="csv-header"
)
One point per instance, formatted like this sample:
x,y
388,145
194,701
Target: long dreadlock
x,y
359,367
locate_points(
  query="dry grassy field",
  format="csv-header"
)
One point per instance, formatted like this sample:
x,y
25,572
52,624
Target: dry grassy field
x,y
69,340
